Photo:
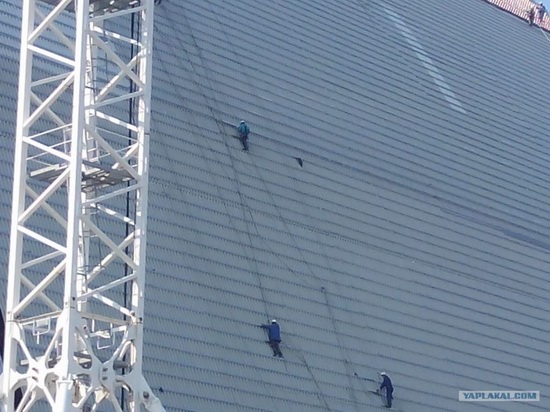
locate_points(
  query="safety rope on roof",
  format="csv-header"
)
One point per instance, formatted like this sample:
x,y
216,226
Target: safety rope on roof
x,y
320,394
344,352
343,349
211,103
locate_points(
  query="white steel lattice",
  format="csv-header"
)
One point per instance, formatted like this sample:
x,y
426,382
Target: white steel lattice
x,y
74,318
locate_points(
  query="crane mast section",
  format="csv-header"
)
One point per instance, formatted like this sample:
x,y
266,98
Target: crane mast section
x,y
76,275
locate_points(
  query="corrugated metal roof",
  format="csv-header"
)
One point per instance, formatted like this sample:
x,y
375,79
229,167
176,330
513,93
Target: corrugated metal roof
x,y
412,239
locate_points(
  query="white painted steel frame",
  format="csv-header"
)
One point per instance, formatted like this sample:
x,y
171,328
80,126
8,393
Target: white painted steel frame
x,y
65,369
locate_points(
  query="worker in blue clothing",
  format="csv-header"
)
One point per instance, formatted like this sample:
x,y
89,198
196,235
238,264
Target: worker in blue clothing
x,y
274,336
541,12
243,130
387,385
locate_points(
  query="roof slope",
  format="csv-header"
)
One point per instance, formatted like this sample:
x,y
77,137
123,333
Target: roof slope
x,y
413,238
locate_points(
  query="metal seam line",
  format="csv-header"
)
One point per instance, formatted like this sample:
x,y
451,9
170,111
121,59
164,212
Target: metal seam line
x,y
427,62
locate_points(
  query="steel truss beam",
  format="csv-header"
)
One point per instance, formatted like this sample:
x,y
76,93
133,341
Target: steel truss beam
x,y
74,318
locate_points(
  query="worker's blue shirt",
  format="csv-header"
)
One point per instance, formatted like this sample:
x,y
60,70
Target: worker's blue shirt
x,y
273,331
386,383
243,129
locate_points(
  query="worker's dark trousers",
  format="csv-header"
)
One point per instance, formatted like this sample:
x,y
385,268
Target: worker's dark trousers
x,y
275,346
244,140
389,397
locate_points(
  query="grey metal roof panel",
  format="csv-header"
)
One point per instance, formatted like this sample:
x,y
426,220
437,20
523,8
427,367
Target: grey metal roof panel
x,y
425,223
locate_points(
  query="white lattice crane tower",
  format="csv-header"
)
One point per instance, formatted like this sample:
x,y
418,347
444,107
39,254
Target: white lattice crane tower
x,y
74,316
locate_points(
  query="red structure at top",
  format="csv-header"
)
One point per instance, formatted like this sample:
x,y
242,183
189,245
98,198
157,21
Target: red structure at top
x,y
520,8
